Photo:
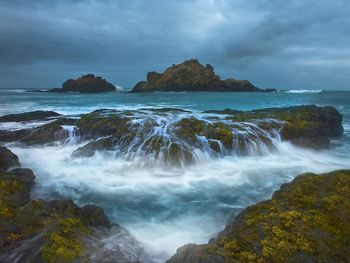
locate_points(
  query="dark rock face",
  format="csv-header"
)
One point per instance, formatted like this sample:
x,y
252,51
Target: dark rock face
x,y
192,76
307,220
29,116
8,159
86,84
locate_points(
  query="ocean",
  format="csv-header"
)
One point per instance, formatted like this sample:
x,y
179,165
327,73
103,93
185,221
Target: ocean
x,y
166,207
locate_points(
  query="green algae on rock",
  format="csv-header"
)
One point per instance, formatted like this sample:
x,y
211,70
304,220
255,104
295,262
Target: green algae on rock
x,y
307,220
53,229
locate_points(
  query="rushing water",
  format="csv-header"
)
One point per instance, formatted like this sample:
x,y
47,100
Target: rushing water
x,y
165,207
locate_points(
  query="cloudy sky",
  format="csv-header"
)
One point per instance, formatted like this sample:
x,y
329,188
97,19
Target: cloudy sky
x,y
295,44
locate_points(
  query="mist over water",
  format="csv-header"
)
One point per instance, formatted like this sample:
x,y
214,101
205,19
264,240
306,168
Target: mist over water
x,y
165,207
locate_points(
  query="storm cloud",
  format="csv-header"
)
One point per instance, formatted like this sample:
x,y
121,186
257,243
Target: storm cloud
x,y
275,44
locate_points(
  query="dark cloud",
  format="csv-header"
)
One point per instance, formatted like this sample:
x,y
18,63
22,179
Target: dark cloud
x,y
283,44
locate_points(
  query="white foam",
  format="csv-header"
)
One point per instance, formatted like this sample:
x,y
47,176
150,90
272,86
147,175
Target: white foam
x,y
299,91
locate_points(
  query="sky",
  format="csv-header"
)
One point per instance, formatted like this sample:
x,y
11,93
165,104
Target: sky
x,y
295,44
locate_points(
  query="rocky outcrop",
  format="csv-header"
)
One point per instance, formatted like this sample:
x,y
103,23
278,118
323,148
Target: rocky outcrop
x,y
86,84
307,126
50,132
29,116
192,76
8,159
52,231
224,132
307,220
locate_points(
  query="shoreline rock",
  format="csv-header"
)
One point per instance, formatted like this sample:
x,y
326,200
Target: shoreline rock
x,y
49,231
193,76
307,220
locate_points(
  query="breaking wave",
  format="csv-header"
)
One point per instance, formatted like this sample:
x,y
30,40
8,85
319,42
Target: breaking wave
x,y
300,91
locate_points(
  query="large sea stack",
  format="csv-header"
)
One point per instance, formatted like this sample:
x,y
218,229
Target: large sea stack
x,y
192,76
86,84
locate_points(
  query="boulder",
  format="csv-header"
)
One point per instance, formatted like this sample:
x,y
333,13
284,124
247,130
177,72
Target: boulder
x,y
307,220
8,159
192,76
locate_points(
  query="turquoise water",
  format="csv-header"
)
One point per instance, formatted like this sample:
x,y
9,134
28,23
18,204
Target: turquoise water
x,y
77,103
165,208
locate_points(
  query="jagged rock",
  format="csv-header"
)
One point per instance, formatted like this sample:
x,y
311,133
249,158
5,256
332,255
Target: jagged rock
x,y
191,76
8,159
307,220
86,84
29,116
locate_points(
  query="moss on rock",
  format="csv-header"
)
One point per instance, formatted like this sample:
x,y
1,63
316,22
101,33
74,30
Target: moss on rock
x,y
307,220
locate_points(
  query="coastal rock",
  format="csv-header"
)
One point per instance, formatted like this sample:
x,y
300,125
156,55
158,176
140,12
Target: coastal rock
x,y
308,126
86,84
44,134
307,220
191,76
173,137
29,116
54,231
92,215
8,159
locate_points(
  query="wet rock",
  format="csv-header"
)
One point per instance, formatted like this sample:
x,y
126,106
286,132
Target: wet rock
x,y
307,126
305,221
29,116
12,136
88,150
191,76
16,186
44,134
86,84
8,159
101,123
92,215
194,254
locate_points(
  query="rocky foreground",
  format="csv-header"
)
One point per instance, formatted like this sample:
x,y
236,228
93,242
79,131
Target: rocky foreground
x,y
51,231
192,76
307,220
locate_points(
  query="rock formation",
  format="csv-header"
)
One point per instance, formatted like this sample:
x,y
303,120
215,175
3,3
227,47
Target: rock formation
x,y
192,76
86,84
